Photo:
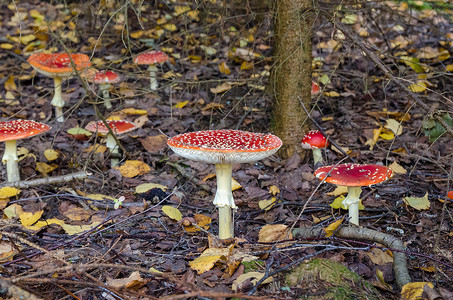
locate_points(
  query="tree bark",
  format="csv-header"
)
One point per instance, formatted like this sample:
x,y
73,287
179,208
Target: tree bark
x,y
291,73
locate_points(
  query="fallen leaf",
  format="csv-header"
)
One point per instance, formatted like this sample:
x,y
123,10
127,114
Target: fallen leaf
x,y
51,154
44,168
379,257
339,190
267,204
29,218
272,233
212,105
172,212
6,251
224,69
208,258
387,134
235,185
132,168
338,203
332,227
414,290
394,126
331,94
180,104
253,277
202,221
10,85
154,144
97,148
274,190
144,187
419,203
8,192
79,131
133,282
221,88
398,169
417,87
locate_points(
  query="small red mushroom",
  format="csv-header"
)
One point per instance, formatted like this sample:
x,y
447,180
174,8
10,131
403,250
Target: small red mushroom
x,y
314,88
117,127
10,132
58,66
315,141
354,176
104,79
224,148
151,58
450,195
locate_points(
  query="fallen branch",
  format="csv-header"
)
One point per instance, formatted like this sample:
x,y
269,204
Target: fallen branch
x,y
399,257
15,292
47,180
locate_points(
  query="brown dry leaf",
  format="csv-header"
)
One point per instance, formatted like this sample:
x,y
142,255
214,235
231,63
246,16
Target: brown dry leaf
x,y
132,168
274,233
414,290
221,88
379,257
10,85
6,251
397,168
133,282
332,227
253,277
224,69
154,144
78,214
140,121
212,105
202,221
376,134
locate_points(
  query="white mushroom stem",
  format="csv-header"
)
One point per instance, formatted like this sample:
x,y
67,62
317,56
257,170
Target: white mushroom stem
x,y
11,159
152,77
317,156
352,201
104,89
114,150
224,200
57,100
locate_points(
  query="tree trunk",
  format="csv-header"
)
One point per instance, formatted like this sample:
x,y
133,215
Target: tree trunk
x,y
291,73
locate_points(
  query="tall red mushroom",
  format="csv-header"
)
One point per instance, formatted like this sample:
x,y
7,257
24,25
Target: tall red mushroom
x,y
354,176
224,148
10,132
315,141
117,127
151,58
58,66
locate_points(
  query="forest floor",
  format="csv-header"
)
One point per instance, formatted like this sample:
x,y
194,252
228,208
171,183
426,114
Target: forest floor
x,y
66,240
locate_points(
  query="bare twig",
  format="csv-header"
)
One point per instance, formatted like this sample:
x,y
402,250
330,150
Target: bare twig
x,y
47,180
15,292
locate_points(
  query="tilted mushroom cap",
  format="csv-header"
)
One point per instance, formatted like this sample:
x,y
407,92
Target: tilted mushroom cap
x,y
150,58
20,129
314,139
224,146
103,77
314,88
118,127
58,64
354,174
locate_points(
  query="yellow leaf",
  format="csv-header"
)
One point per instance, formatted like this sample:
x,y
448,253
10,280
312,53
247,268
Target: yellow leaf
x,y
379,257
387,134
417,87
10,85
338,203
36,15
224,69
397,168
180,104
235,185
44,168
99,197
179,10
339,190
253,277
172,212
193,14
133,111
221,88
132,168
6,46
267,204
272,233
144,187
155,271
205,263
332,227
28,218
77,131
419,203
449,68
394,126
202,221
414,290
332,94
376,134
246,65
8,192
13,211
97,148
51,154
136,34
274,190
76,229
170,27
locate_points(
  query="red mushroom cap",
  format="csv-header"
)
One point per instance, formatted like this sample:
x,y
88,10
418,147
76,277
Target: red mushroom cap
x,y
314,139
118,127
224,146
150,58
103,77
20,129
314,88
58,64
450,194
354,174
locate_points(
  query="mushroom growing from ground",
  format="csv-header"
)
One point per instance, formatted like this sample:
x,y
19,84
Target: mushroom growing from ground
x,y
314,88
10,132
151,58
354,176
58,66
315,141
104,79
117,127
224,148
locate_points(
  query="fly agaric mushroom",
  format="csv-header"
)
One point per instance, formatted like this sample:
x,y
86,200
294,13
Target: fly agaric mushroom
x,y
151,58
314,88
224,148
104,79
10,132
117,127
58,66
354,176
315,141
450,195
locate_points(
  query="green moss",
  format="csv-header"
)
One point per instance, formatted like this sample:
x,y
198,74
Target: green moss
x,y
325,279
